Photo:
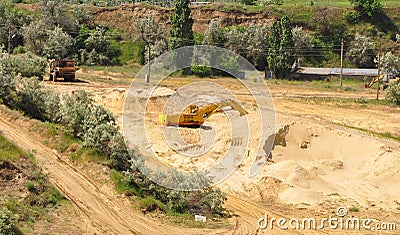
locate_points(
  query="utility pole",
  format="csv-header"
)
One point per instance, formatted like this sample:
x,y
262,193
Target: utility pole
x,y
149,63
379,70
341,63
9,39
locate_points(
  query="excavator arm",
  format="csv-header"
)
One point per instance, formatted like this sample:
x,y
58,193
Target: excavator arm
x,y
207,111
194,116
373,81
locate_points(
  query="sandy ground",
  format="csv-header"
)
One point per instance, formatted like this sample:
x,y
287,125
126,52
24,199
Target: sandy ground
x,y
322,166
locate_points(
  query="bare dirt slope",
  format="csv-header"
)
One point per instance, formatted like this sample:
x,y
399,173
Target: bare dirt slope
x,y
124,17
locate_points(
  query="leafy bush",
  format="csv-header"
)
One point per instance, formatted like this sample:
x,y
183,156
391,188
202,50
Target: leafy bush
x,y
30,186
58,44
200,70
393,93
99,137
206,201
119,156
8,222
271,2
96,127
7,80
367,7
74,110
96,48
361,100
352,17
29,65
247,2
213,201
228,63
38,102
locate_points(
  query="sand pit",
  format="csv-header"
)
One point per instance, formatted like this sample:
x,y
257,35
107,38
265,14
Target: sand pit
x,y
311,163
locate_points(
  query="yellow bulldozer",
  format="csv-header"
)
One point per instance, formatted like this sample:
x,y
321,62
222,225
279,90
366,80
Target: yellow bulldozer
x,y
194,116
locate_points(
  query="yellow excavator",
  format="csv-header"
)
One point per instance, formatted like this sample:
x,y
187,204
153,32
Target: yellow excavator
x,y
373,81
194,116
384,85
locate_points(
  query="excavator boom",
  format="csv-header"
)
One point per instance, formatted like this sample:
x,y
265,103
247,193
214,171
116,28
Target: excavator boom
x,y
373,81
195,116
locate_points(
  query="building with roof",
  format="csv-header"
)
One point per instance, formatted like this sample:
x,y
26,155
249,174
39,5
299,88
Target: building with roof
x,y
310,73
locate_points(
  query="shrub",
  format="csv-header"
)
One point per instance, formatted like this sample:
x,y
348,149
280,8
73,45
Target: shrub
x,y
29,65
228,63
200,70
207,200
119,156
32,100
361,100
30,186
271,2
213,201
8,222
96,115
354,209
247,2
7,80
352,17
96,126
99,137
368,8
38,102
96,48
393,93
74,110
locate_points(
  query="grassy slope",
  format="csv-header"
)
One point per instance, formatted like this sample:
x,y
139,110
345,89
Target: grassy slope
x,y
8,151
39,199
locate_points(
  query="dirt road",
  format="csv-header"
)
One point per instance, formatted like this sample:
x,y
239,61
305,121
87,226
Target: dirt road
x,y
101,212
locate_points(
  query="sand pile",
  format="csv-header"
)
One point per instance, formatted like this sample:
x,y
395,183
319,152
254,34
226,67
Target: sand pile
x,y
335,162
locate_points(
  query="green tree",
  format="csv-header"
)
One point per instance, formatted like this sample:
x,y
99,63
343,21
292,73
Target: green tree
x,y
280,53
98,48
181,32
11,21
214,34
303,42
367,7
153,35
390,63
361,52
54,13
35,36
250,42
58,44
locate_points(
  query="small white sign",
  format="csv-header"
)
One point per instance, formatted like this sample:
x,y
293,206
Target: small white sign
x,y
200,218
